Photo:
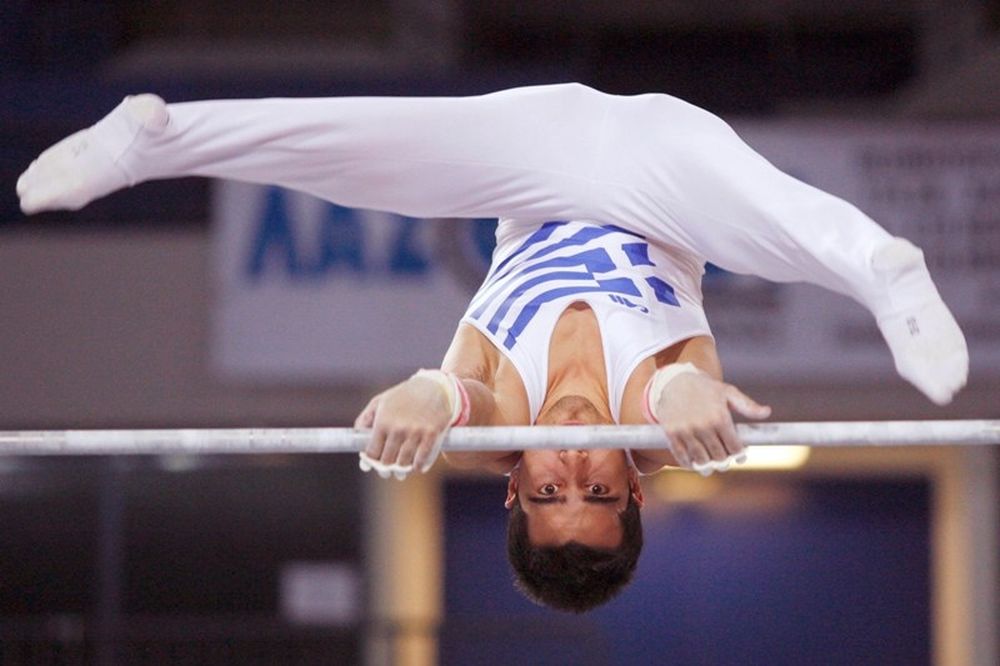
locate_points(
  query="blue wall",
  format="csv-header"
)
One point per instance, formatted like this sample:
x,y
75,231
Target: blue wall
x,y
769,571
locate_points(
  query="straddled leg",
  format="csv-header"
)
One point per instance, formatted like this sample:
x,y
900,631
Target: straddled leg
x,y
743,214
524,153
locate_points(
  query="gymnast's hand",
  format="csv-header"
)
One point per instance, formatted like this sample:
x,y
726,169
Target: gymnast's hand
x,y
409,421
694,410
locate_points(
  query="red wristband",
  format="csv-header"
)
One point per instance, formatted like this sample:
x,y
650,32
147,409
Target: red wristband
x,y
465,413
646,412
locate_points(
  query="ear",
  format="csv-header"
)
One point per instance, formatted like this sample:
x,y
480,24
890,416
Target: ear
x,y
635,488
511,490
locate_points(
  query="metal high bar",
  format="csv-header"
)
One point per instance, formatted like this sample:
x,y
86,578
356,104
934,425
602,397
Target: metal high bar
x,y
349,440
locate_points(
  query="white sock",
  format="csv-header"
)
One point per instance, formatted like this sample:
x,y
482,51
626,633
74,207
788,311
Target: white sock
x,y
85,166
927,345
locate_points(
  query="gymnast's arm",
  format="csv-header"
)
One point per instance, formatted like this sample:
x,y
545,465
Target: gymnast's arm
x,y
470,358
694,410
407,419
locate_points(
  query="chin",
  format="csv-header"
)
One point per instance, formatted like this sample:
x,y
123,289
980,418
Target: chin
x,y
572,410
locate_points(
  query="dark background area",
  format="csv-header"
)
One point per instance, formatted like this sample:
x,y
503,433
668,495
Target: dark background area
x,y
176,562
738,578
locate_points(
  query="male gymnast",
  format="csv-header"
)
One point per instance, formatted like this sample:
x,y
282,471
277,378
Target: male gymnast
x,y
591,313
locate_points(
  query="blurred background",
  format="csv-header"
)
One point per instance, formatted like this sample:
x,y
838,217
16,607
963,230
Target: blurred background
x,y
191,303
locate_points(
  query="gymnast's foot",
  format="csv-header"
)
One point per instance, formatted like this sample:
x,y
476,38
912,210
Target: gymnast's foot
x,y
926,342
86,165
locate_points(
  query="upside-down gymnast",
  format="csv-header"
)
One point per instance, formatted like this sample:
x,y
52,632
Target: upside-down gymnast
x,y
591,312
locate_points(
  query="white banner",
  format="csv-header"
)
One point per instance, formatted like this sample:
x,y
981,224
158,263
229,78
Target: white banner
x,y
307,290
310,291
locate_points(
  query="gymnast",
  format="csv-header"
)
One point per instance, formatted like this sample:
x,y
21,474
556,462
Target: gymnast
x,y
591,312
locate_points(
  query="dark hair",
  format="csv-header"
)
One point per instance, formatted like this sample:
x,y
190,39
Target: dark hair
x,y
572,577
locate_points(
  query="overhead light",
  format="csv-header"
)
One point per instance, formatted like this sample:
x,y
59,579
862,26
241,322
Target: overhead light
x,y
766,457
775,457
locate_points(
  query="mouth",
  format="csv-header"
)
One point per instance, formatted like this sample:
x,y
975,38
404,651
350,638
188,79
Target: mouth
x,y
571,423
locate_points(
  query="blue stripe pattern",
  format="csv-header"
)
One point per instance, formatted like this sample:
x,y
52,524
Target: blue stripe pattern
x,y
532,266
617,285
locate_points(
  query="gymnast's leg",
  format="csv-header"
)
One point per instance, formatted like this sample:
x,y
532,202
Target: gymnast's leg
x,y
523,153
745,215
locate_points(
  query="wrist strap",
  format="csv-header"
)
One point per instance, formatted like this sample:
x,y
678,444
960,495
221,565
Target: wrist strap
x,y
656,384
458,397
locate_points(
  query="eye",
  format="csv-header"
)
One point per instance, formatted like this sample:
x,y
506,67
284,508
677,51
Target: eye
x,y
598,489
548,489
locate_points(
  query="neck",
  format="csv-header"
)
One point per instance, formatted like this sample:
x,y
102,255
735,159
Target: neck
x,y
578,392
576,365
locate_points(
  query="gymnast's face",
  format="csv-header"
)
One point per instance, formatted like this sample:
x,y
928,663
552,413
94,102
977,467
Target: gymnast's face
x,y
574,495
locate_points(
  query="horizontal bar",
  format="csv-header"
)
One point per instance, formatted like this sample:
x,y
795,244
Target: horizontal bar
x,y
349,440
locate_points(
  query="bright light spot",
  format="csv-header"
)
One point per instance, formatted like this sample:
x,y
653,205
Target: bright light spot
x,y
775,457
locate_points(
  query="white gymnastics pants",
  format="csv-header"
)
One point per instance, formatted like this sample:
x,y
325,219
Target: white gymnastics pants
x,y
650,163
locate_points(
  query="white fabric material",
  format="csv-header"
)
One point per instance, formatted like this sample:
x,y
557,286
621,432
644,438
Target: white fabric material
x,y
452,392
386,470
711,466
661,378
653,164
645,297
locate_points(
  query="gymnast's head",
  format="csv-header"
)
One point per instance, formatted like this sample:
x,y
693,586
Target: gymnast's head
x,y
574,534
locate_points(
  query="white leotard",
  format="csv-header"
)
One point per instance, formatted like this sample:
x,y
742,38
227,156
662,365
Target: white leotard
x,y
644,295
